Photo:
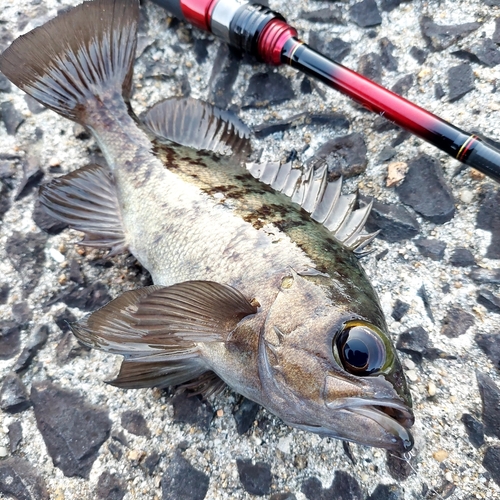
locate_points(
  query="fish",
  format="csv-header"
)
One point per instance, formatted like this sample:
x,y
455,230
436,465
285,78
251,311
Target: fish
x,y
255,265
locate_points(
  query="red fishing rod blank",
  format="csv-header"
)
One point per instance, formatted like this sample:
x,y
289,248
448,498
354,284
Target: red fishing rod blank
x,y
264,33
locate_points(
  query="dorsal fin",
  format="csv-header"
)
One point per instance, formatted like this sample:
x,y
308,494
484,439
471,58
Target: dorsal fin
x,y
319,197
198,125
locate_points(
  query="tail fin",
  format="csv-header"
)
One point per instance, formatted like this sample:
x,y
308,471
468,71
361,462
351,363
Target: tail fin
x,y
80,55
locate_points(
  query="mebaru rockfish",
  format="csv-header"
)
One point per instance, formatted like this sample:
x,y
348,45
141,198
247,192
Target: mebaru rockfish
x,y
249,289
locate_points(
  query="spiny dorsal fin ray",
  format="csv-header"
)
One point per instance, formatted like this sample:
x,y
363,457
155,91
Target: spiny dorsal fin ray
x,y
157,329
86,200
322,199
80,55
198,125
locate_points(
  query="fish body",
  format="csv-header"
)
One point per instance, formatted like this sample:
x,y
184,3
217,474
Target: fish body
x,y
257,283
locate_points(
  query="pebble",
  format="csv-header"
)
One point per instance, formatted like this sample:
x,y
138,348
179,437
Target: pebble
x,y
10,339
488,218
396,172
466,196
344,156
456,322
481,275
300,462
370,66
81,428
224,73
45,221
135,423
413,342
487,52
87,298
15,435
110,487
388,60
4,293
426,190
491,462
490,396
267,89
409,364
401,87
192,410
11,117
420,55
388,152
460,81
325,15
22,313
13,394
284,443
365,13
399,310
440,455
255,478
411,375
496,33
394,221
20,480
5,85
26,252
181,481
135,456
489,300
33,105
150,462
56,255
430,247
490,344
441,37
431,389
462,257
68,347
398,466
386,492
343,487
336,48
474,428
283,496
245,415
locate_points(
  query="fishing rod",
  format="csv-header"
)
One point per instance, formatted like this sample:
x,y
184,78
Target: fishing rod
x,y
264,33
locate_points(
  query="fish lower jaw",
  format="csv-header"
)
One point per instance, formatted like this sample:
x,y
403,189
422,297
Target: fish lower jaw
x,y
394,421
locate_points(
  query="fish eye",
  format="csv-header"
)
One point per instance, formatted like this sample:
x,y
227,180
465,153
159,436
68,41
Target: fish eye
x,y
360,349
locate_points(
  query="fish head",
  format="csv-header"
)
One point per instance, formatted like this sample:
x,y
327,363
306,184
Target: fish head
x,y
329,369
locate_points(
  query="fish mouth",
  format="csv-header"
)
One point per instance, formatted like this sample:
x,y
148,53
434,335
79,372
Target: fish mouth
x,y
394,417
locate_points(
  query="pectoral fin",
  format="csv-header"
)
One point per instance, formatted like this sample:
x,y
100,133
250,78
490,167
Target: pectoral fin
x,y
157,329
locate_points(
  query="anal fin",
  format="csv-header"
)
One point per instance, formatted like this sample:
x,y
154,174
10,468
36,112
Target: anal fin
x,y
86,200
157,329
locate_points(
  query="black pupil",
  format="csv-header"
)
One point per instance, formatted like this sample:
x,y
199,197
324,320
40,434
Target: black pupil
x,y
361,350
356,353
